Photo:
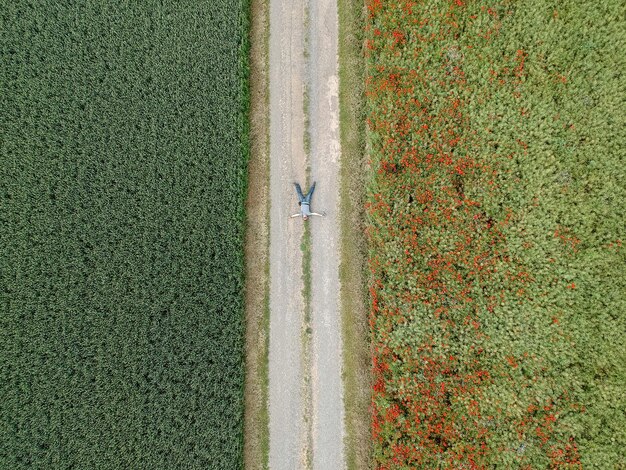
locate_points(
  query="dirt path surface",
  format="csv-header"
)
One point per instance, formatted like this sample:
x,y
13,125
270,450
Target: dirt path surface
x,y
287,164
301,437
326,360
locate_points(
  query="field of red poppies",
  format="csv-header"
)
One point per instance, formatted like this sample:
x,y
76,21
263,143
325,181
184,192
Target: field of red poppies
x,y
495,201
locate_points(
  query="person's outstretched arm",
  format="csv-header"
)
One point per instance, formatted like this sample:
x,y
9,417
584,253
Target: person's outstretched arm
x,y
295,215
323,214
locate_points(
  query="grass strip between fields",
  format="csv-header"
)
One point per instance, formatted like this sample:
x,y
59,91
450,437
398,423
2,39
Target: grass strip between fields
x,y
356,372
307,344
256,432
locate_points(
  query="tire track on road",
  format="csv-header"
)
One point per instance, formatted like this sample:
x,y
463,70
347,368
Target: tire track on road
x,y
287,164
327,385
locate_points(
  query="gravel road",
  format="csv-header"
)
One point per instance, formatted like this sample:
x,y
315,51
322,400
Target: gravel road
x,y
293,382
326,359
287,164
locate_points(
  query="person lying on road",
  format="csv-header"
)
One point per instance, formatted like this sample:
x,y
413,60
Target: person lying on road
x,y
305,203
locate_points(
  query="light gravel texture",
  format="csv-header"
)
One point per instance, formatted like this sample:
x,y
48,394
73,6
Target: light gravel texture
x,y
327,397
289,76
287,164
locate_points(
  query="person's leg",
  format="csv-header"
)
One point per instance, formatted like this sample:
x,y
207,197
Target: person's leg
x,y
310,193
299,191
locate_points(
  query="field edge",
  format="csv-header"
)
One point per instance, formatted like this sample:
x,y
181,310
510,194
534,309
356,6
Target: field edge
x,y
256,427
352,271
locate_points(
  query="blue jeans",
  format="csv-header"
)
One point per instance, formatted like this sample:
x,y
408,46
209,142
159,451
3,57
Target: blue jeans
x,y
301,198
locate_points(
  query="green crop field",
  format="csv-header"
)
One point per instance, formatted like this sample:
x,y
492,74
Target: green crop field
x,y
496,204
123,154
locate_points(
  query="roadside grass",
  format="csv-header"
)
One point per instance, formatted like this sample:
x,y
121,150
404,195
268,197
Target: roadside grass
x,y
306,98
305,247
256,423
352,272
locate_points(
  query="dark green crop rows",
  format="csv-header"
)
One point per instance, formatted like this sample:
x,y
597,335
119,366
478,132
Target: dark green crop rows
x,y
122,178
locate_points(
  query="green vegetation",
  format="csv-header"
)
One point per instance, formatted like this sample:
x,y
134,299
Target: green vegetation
x,y
122,186
256,427
357,381
496,206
